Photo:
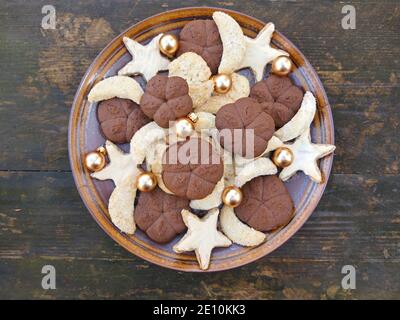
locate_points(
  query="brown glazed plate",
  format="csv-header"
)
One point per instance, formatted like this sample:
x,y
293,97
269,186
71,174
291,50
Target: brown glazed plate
x,y
84,136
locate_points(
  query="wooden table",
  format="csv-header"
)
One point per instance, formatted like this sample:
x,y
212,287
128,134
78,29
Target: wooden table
x,y
43,220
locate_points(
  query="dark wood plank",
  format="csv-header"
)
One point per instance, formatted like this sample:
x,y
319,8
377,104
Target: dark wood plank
x,y
42,221
45,67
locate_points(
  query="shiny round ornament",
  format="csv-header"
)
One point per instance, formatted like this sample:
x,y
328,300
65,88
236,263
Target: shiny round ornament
x,y
282,66
232,196
222,83
184,127
96,160
169,44
146,182
282,157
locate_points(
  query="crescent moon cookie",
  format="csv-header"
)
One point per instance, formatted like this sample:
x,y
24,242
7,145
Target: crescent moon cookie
x,y
233,41
116,86
147,60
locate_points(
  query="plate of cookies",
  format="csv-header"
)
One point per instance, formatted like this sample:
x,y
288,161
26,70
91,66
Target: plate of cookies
x,y
201,139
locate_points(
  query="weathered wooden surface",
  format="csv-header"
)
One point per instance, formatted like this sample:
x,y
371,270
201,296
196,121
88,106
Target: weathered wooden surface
x,y
43,221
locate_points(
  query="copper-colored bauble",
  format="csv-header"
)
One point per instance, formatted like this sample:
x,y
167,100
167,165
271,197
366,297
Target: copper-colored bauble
x,y
184,127
232,196
169,45
222,83
96,160
281,66
282,157
146,181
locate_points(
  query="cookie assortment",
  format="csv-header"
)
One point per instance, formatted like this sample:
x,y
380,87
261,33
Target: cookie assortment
x,y
209,151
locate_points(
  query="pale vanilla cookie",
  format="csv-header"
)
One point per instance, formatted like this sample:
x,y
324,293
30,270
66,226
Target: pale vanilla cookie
x,y
202,236
116,86
305,157
147,60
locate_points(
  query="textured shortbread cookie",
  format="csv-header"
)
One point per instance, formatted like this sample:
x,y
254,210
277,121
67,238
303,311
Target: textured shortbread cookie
x,y
244,127
166,99
116,86
301,120
279,97
259,52
119,119
266,204
158,214
305,157
233,42
237,231
202,236
202,37
146,60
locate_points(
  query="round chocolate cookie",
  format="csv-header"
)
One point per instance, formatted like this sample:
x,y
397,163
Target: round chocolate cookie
x,y
279,97
266,204
158,214
244,127
120,119
192,168
202,37
166,99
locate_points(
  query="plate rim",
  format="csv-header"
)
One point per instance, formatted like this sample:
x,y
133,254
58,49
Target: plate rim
x,y
257,252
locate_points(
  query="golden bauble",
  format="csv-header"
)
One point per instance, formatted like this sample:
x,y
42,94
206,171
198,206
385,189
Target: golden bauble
x,y
282,157
184,127
281,66
146,182
193,117
222,83
169,44
232,196
96,160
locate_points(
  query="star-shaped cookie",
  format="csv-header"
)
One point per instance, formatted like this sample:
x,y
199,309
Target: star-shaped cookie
x,y
122,166
259,51
306,155
146,60
202,236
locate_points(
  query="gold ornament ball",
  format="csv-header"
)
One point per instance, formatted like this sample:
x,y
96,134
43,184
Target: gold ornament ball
x,y
282,157
232,196
222,83
184,127
281,66
146,182
169,44
95,160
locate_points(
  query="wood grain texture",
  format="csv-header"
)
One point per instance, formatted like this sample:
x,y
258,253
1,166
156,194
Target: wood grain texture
x,y
42,219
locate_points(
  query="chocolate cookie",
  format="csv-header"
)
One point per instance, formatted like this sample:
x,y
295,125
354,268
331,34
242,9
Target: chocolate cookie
x,y
244,127
266,204
192,168
120,119
158,214
202,37
166,99
279,97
